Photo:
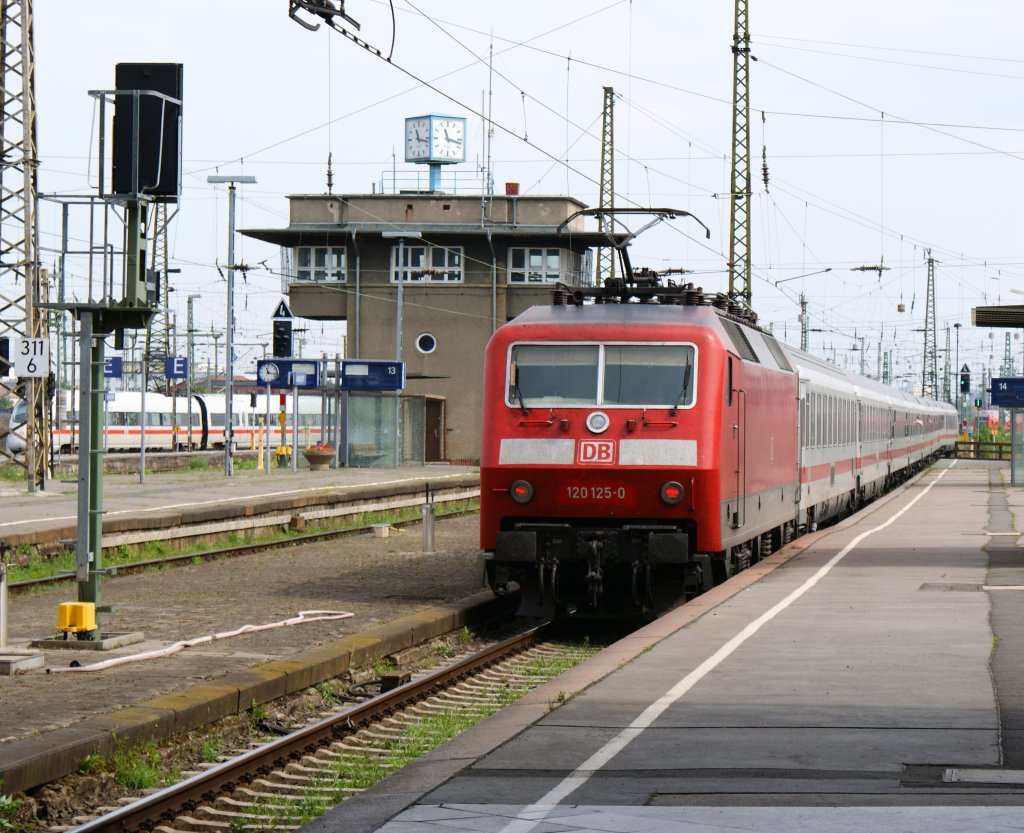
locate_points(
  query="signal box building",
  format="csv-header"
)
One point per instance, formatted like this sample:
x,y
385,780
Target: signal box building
x,y
467,264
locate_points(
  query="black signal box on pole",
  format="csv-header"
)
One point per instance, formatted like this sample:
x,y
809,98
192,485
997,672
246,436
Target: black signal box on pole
x,y
282,331
965,379
159,126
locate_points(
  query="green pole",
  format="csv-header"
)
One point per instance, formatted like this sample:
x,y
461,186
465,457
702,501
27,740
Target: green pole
x,y
89,586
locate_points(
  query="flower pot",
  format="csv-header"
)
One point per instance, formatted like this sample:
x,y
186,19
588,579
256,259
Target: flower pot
x,y
319,459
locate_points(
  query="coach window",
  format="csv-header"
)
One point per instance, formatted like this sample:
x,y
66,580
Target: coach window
x,y
728,383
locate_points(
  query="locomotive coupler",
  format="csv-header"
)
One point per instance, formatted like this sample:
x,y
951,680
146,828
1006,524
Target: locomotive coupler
x,y
594,580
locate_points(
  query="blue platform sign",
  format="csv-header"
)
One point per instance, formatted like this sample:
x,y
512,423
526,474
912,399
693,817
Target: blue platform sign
x,y
176,367
288,373
374,374
1008,392
112,367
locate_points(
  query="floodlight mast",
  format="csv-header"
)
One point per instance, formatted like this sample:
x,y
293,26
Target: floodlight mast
x,y
229,335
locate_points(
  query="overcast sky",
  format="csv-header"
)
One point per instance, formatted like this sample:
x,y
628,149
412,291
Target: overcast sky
x,y
888,128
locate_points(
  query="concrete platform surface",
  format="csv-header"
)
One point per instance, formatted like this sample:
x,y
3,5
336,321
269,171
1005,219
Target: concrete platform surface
x,y
833,693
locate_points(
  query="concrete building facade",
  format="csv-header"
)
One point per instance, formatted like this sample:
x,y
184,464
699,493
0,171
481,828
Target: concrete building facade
x,y
467,265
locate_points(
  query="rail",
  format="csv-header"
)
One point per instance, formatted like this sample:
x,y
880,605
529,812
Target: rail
x,y
978,450
165,805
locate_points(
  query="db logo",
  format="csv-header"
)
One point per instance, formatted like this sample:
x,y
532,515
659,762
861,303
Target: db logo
x,y
595,452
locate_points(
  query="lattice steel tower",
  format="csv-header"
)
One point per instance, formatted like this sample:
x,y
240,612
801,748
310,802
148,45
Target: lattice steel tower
x,y
158,334
930,380
22,283
739,184
606,199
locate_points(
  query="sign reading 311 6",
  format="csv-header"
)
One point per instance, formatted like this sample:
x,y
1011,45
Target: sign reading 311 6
x,y
31,357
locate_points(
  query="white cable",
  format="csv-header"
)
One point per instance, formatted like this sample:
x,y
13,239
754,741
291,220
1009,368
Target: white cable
x,y
301,618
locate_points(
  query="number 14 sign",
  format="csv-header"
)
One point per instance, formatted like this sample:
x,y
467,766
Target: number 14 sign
x,y
31,357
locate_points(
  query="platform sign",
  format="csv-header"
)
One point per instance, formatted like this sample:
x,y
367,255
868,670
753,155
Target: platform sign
x,y
288,373
176,367
113,367
1008,392
374,374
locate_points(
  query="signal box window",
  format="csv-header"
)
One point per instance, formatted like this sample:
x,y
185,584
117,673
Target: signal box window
x,y
434,264
534,265
625,375
319,263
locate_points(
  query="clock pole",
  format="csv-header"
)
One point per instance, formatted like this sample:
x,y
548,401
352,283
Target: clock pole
x,y
435,176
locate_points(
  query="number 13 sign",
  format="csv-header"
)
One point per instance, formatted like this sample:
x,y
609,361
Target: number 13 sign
x,y
31,357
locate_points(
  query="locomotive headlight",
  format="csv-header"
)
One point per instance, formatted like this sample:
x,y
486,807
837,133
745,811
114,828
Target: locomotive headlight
x,y
598,422
521,491
672,493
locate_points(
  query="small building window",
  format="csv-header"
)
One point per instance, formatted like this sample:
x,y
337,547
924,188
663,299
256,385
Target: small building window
x,y
435,264
319,263
426,343
534,265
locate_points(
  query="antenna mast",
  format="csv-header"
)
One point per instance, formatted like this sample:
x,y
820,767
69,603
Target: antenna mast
x,y
930,382
606,200
739,185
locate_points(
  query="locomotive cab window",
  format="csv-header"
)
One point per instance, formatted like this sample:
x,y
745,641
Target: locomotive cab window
x,y
624,375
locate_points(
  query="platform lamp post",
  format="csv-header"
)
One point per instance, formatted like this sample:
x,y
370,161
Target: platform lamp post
x,y
191,363
399,272
959,393
229,359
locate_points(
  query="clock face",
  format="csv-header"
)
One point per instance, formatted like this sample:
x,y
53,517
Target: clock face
x,y
448,139
269,372
417,138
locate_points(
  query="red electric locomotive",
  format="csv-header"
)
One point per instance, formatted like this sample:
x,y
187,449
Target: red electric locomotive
x,y
635,453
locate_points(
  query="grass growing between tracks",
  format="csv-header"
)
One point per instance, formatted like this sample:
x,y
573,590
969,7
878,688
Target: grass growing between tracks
x,y
31,566
354,772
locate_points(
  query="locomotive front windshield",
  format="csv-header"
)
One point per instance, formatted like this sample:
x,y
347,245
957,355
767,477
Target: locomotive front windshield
x,y
637,375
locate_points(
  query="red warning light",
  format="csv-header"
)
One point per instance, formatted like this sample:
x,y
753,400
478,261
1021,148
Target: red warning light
x,y
521,491
672,493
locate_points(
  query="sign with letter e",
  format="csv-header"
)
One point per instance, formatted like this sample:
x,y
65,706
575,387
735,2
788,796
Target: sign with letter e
x,y
176,367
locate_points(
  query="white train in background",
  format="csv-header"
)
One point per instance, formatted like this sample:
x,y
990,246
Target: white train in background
x,y
167,421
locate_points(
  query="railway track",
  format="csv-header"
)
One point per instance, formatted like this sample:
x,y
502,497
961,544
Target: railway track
x,y
285,783
233,551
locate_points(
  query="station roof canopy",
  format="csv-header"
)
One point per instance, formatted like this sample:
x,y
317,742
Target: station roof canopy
x,y
1007,316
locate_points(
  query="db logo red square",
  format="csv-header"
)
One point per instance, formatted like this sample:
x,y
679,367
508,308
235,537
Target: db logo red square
x,y
595,452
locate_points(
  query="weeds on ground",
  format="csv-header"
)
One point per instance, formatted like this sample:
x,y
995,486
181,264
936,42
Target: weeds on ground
x,y
139,767
211,749
8,810
91,763
382,665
